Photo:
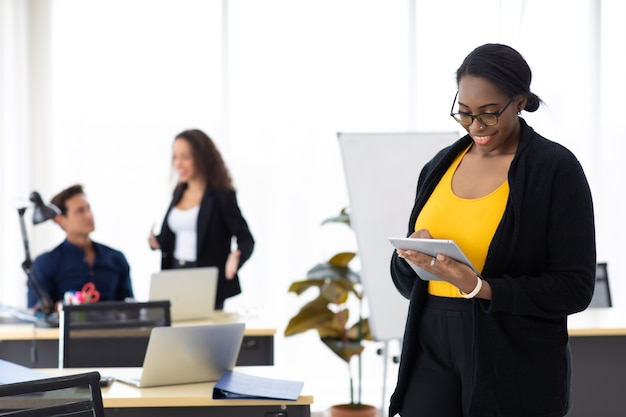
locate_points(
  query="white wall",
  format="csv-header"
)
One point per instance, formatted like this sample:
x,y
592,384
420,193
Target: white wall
x,y
109,83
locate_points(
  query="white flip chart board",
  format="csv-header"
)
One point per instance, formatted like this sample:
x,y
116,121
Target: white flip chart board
x,y
381,172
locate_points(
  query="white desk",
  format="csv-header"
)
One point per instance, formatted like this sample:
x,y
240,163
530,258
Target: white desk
x,y
606,321
187,400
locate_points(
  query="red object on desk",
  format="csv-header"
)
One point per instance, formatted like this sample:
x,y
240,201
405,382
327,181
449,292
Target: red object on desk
x,y
90,293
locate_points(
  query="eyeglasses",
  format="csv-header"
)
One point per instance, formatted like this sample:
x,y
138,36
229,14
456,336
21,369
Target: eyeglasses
x,y
487,119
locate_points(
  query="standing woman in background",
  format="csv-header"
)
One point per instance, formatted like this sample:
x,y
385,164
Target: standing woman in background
x,y
204,216
519,205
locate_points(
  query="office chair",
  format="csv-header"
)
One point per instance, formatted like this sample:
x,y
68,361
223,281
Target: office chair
x,y
73,395
109,333
602,292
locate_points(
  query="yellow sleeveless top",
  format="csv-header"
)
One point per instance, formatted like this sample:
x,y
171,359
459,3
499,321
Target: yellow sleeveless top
x,y
471,223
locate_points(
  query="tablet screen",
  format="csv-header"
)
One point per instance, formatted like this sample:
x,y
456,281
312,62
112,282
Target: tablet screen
x,y
431,247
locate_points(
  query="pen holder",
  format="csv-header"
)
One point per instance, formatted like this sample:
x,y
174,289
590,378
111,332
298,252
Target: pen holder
x,y
77,298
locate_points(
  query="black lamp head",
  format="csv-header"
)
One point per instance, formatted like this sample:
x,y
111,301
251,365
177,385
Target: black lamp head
x,y
42,212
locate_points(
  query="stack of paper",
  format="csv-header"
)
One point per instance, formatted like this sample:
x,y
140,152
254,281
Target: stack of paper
x,y
235,385
11,372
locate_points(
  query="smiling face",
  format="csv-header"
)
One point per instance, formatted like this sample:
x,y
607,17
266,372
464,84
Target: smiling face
x,y
478,95
183,160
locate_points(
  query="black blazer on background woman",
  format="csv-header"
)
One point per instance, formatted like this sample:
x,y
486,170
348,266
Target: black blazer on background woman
x,y
219,219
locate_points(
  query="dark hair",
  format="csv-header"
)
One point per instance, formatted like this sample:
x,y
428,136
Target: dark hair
x,y
503,66
60,199
207,159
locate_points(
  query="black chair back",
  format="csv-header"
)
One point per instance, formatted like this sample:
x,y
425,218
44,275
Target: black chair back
x,y
602,292
108,334
73,395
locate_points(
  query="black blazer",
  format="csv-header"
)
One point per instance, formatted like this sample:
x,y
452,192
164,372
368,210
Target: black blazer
x,y
219,219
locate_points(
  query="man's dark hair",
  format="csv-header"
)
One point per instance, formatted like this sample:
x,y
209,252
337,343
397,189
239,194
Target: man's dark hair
x,y
60,199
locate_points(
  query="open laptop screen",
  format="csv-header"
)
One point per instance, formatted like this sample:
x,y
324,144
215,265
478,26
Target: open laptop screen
x,y
191,292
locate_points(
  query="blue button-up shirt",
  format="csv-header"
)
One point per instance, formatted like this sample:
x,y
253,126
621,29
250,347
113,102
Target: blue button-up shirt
x,y
64,269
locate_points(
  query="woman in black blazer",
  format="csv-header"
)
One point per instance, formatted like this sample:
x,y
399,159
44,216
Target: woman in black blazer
x,y
204,216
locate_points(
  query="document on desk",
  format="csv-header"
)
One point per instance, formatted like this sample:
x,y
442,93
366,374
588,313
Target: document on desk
x,y
11,373
237,386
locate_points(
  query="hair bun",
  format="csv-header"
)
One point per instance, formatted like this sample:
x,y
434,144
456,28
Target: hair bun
x,y
532,102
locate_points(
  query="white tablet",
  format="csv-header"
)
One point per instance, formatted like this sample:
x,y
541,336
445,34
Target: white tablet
x,y
431,247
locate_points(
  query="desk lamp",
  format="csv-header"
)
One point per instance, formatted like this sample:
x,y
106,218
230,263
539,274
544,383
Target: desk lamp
x,y
41,214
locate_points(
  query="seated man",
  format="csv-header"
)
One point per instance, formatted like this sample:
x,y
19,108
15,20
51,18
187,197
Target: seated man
x,y
79,260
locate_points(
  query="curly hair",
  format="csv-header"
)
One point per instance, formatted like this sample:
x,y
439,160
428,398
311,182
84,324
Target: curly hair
x,y
207,159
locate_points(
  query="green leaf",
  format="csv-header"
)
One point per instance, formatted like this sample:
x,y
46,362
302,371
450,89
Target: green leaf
x,y
335,327
343,217
335,292
360,331
333,269
312,316
301,286
342,259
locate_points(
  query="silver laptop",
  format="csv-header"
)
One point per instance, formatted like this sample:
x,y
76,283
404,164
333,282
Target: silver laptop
x,y
188,354
191,292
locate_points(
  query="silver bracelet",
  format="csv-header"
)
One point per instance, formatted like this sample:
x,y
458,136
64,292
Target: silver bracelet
x,y
475,291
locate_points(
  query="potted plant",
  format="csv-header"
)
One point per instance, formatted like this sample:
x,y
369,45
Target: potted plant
x,y
329,314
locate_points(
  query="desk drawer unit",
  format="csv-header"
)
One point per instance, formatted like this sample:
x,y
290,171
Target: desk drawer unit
x,y
256,350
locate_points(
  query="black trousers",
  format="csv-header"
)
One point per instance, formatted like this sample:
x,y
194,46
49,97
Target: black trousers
x,y
441,376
